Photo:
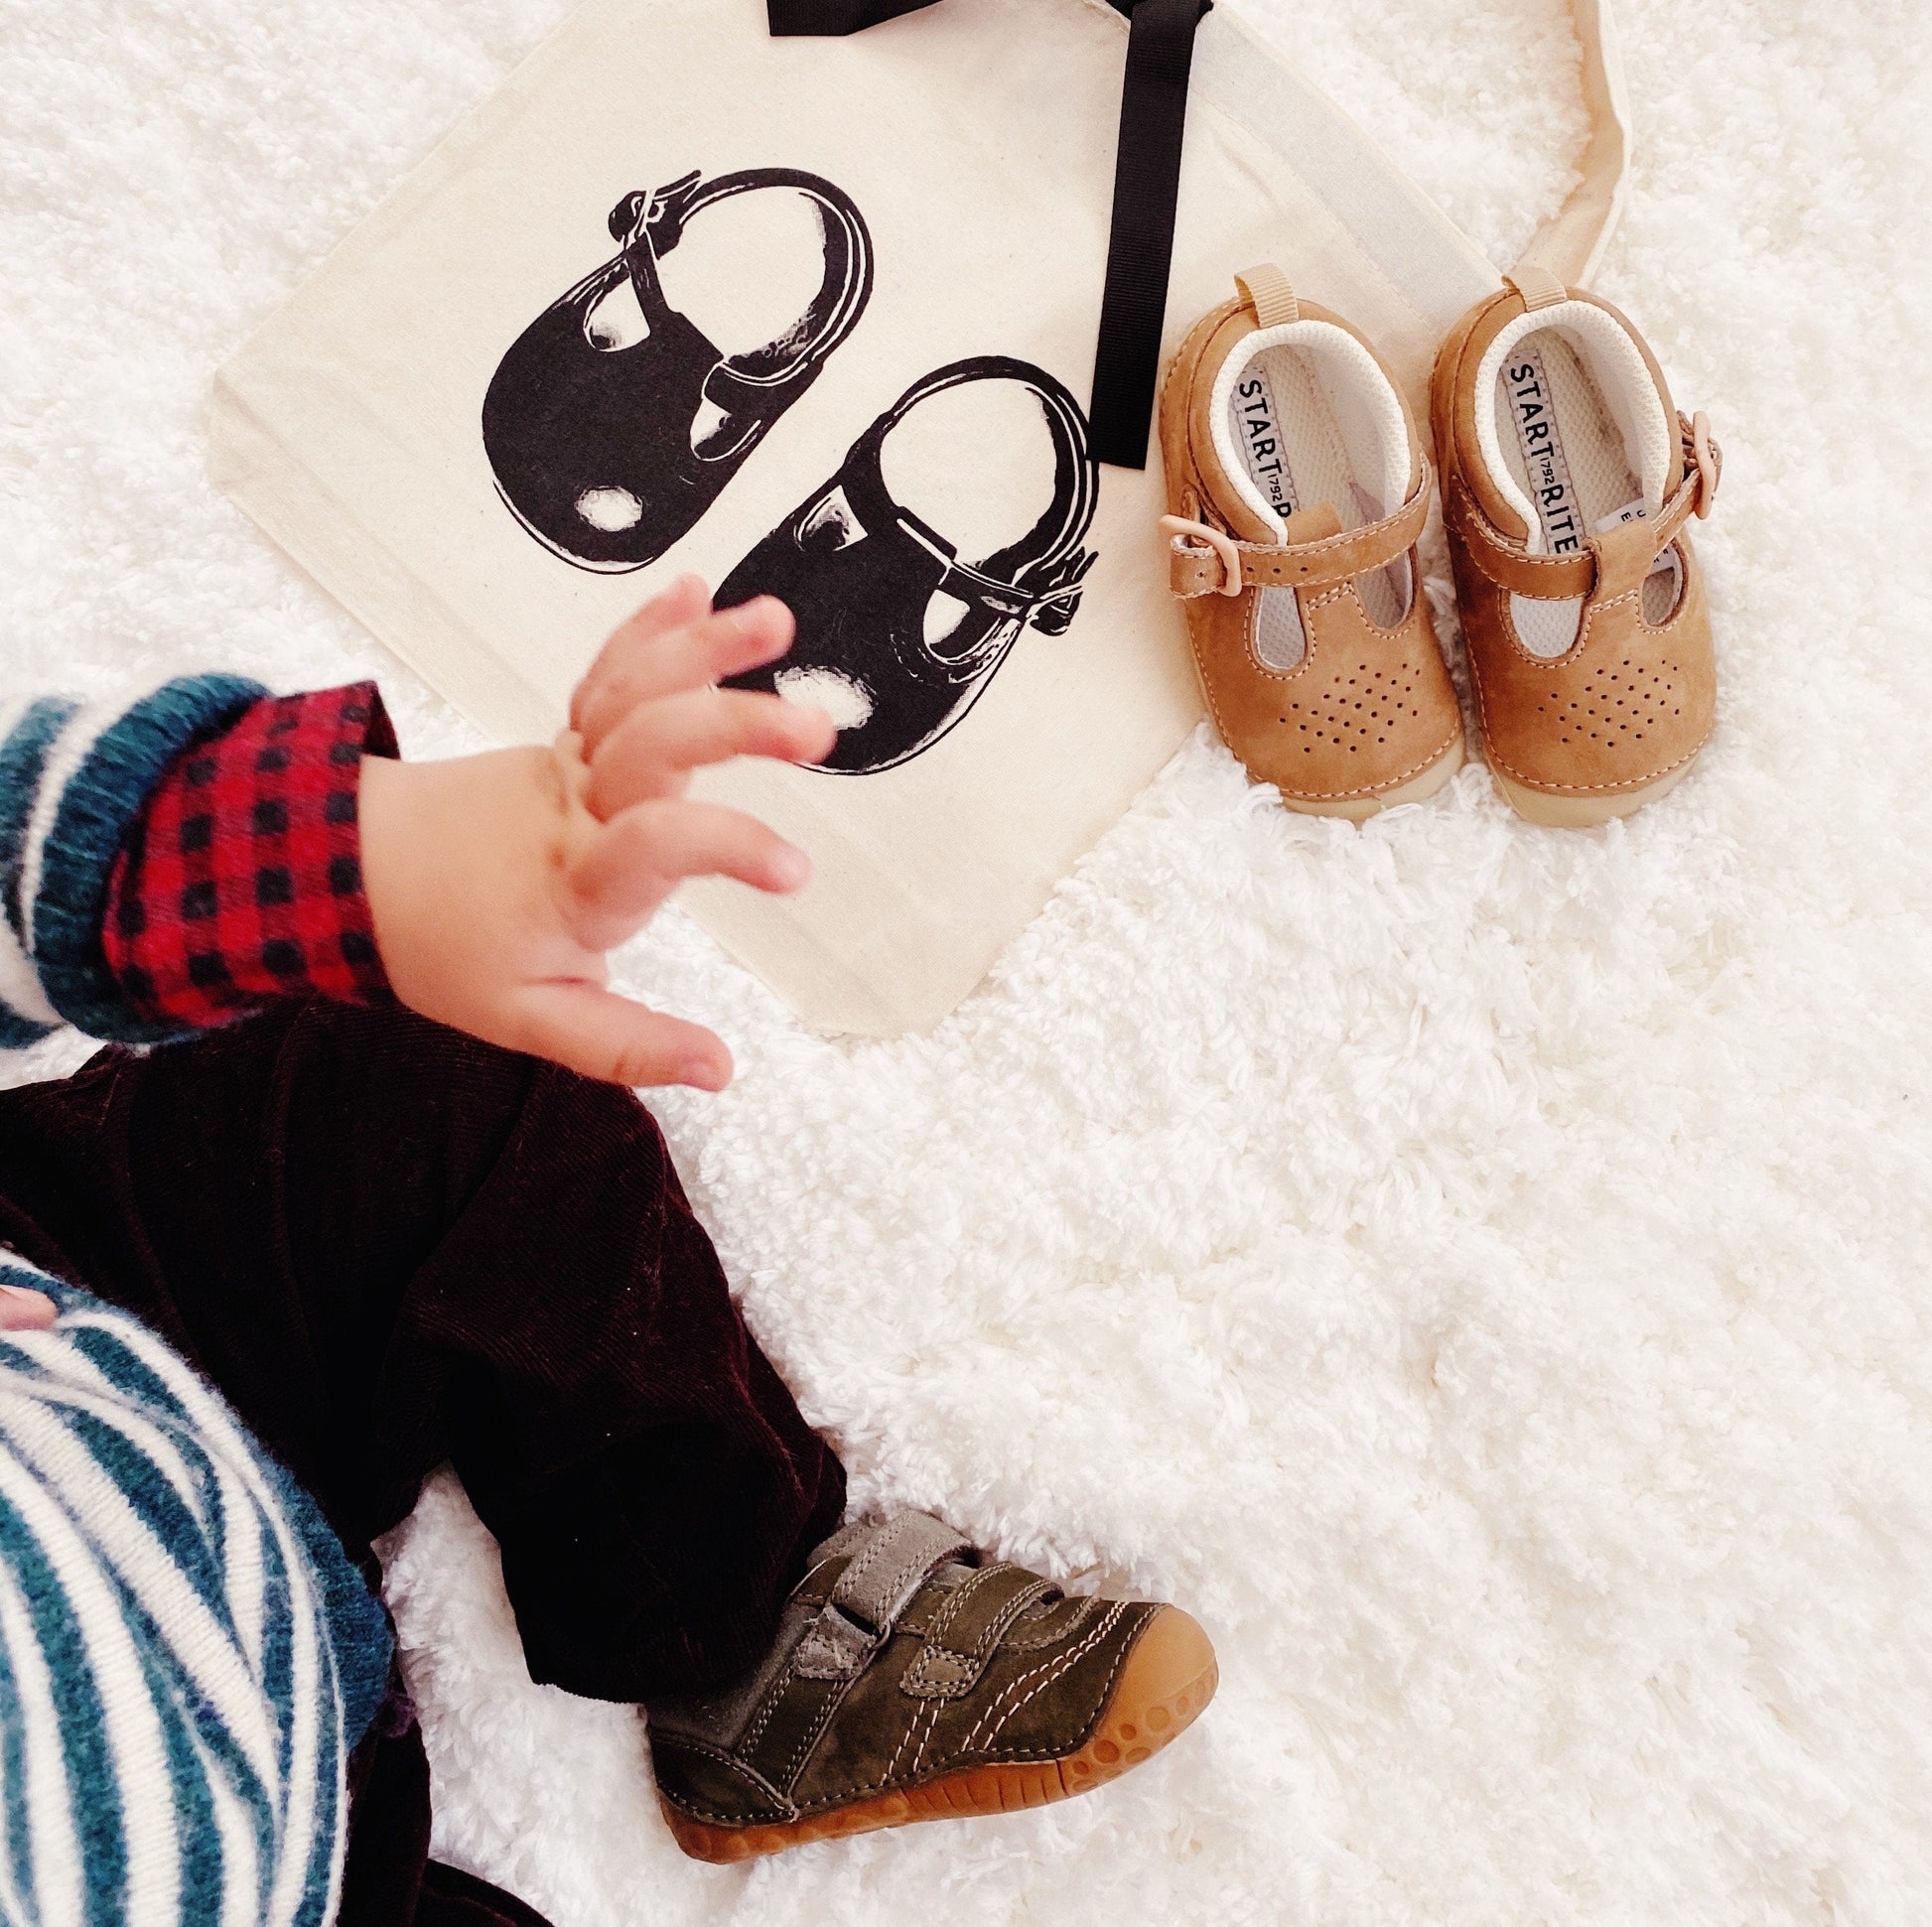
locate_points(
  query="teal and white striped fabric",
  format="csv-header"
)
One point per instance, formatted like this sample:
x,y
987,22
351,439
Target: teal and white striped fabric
x,y
187,1655
72,780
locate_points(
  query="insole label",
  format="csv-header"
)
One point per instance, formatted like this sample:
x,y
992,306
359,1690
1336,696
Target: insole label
x,y
1631,511
1664,561
1259,423
1537,434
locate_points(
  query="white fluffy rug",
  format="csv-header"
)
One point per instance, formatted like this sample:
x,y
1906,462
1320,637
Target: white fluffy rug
x,y
1483,1270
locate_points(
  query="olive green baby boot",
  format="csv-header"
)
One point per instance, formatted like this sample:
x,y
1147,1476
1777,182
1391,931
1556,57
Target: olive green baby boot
x,y
912,1678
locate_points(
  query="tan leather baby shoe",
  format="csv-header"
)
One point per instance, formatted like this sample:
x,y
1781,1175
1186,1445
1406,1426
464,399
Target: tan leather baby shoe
x,y
1297,488
1568,479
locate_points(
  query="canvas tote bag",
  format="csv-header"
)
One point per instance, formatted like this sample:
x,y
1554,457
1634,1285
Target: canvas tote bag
x,y
820,313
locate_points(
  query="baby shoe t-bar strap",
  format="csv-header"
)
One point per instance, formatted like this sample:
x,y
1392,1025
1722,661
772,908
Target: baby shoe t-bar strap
x,y
1625,554
1617,552
1204,561
1509,564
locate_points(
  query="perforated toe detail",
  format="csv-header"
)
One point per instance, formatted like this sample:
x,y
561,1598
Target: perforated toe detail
x,y
1621,707
1358,712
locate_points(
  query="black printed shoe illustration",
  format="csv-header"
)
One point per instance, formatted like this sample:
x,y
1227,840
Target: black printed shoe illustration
x,y
612,428
898,637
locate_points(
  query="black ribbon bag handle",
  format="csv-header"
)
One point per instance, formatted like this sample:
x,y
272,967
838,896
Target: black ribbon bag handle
x,y
1147,186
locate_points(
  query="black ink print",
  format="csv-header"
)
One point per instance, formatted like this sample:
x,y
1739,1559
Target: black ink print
x,y
612,430
861,574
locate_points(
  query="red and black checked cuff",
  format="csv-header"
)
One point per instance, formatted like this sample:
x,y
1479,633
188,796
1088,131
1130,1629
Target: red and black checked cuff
x,y
242,881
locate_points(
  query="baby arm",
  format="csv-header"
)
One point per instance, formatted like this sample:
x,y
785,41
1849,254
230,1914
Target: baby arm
x,y
178,860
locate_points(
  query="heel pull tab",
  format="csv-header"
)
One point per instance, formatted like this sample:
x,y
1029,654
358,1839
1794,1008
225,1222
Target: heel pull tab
x,y
1537,285
1267,292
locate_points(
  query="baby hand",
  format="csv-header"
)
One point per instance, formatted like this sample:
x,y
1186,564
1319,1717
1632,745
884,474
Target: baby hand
x,y
496,882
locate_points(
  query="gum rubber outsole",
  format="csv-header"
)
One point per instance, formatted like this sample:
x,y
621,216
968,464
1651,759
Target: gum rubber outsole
x,y
1169,1677
1358,809
1578,812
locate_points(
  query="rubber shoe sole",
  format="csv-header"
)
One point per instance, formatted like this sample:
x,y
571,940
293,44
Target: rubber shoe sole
x,y
1582,812
1358,809
1169,1679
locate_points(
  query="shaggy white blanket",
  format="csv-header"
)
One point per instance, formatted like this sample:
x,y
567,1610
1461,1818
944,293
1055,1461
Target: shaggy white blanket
x,y
1481,1271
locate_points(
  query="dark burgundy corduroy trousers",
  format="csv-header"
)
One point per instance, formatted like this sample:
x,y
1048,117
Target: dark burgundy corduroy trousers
x,y
389,1245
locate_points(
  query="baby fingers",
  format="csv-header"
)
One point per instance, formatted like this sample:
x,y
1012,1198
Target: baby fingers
x,y
633,645
597,1033
672,645
639,857
653,751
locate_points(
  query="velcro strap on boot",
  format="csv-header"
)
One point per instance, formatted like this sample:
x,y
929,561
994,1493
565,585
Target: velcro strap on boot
x,y
1205,562
964,1631
887,1566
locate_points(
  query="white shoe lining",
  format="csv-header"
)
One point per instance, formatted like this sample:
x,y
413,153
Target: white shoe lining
x,y
1577,439
1302,415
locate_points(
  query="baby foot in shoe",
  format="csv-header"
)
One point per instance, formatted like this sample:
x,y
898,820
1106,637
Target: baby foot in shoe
x,y
914,1678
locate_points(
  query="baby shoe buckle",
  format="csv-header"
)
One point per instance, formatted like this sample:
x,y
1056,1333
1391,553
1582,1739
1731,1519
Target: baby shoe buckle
x,y
1197,535
1710,460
